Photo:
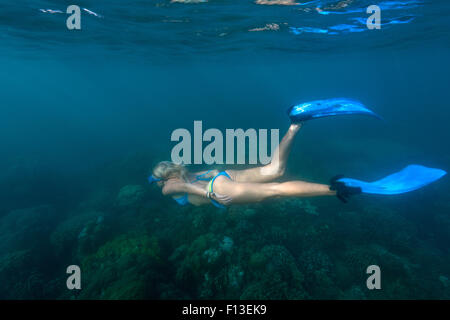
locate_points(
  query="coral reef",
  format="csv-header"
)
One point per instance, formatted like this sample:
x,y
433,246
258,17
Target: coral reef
x,y
130,195
25,228
134,244
274,275
124,268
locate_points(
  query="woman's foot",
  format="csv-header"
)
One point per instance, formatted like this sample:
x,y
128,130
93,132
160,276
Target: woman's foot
x,y
343,192
294,127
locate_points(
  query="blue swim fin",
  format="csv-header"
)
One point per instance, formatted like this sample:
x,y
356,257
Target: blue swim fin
x,y
326,108
410,178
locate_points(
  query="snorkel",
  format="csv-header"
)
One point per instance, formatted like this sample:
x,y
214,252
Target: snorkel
x,y
152,179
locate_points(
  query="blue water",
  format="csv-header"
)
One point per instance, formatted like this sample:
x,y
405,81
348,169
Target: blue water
x,y
87,112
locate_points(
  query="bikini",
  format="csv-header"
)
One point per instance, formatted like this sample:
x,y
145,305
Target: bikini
x,y
183,200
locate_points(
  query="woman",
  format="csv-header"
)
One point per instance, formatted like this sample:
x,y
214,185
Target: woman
x,y
242,186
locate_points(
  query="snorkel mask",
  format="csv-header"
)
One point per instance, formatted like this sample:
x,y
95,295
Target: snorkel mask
x,y
152,179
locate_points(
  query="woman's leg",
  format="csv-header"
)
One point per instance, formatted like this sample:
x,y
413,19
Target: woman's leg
x,y
276,167
248,192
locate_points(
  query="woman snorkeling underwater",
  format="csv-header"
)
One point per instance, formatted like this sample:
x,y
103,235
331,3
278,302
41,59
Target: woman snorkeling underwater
x,y
242,186
257,184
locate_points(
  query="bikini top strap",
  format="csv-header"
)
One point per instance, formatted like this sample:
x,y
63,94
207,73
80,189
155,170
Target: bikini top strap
x,y
199,177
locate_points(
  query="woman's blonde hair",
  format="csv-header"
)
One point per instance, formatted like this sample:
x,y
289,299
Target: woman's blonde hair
x,y
167,169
